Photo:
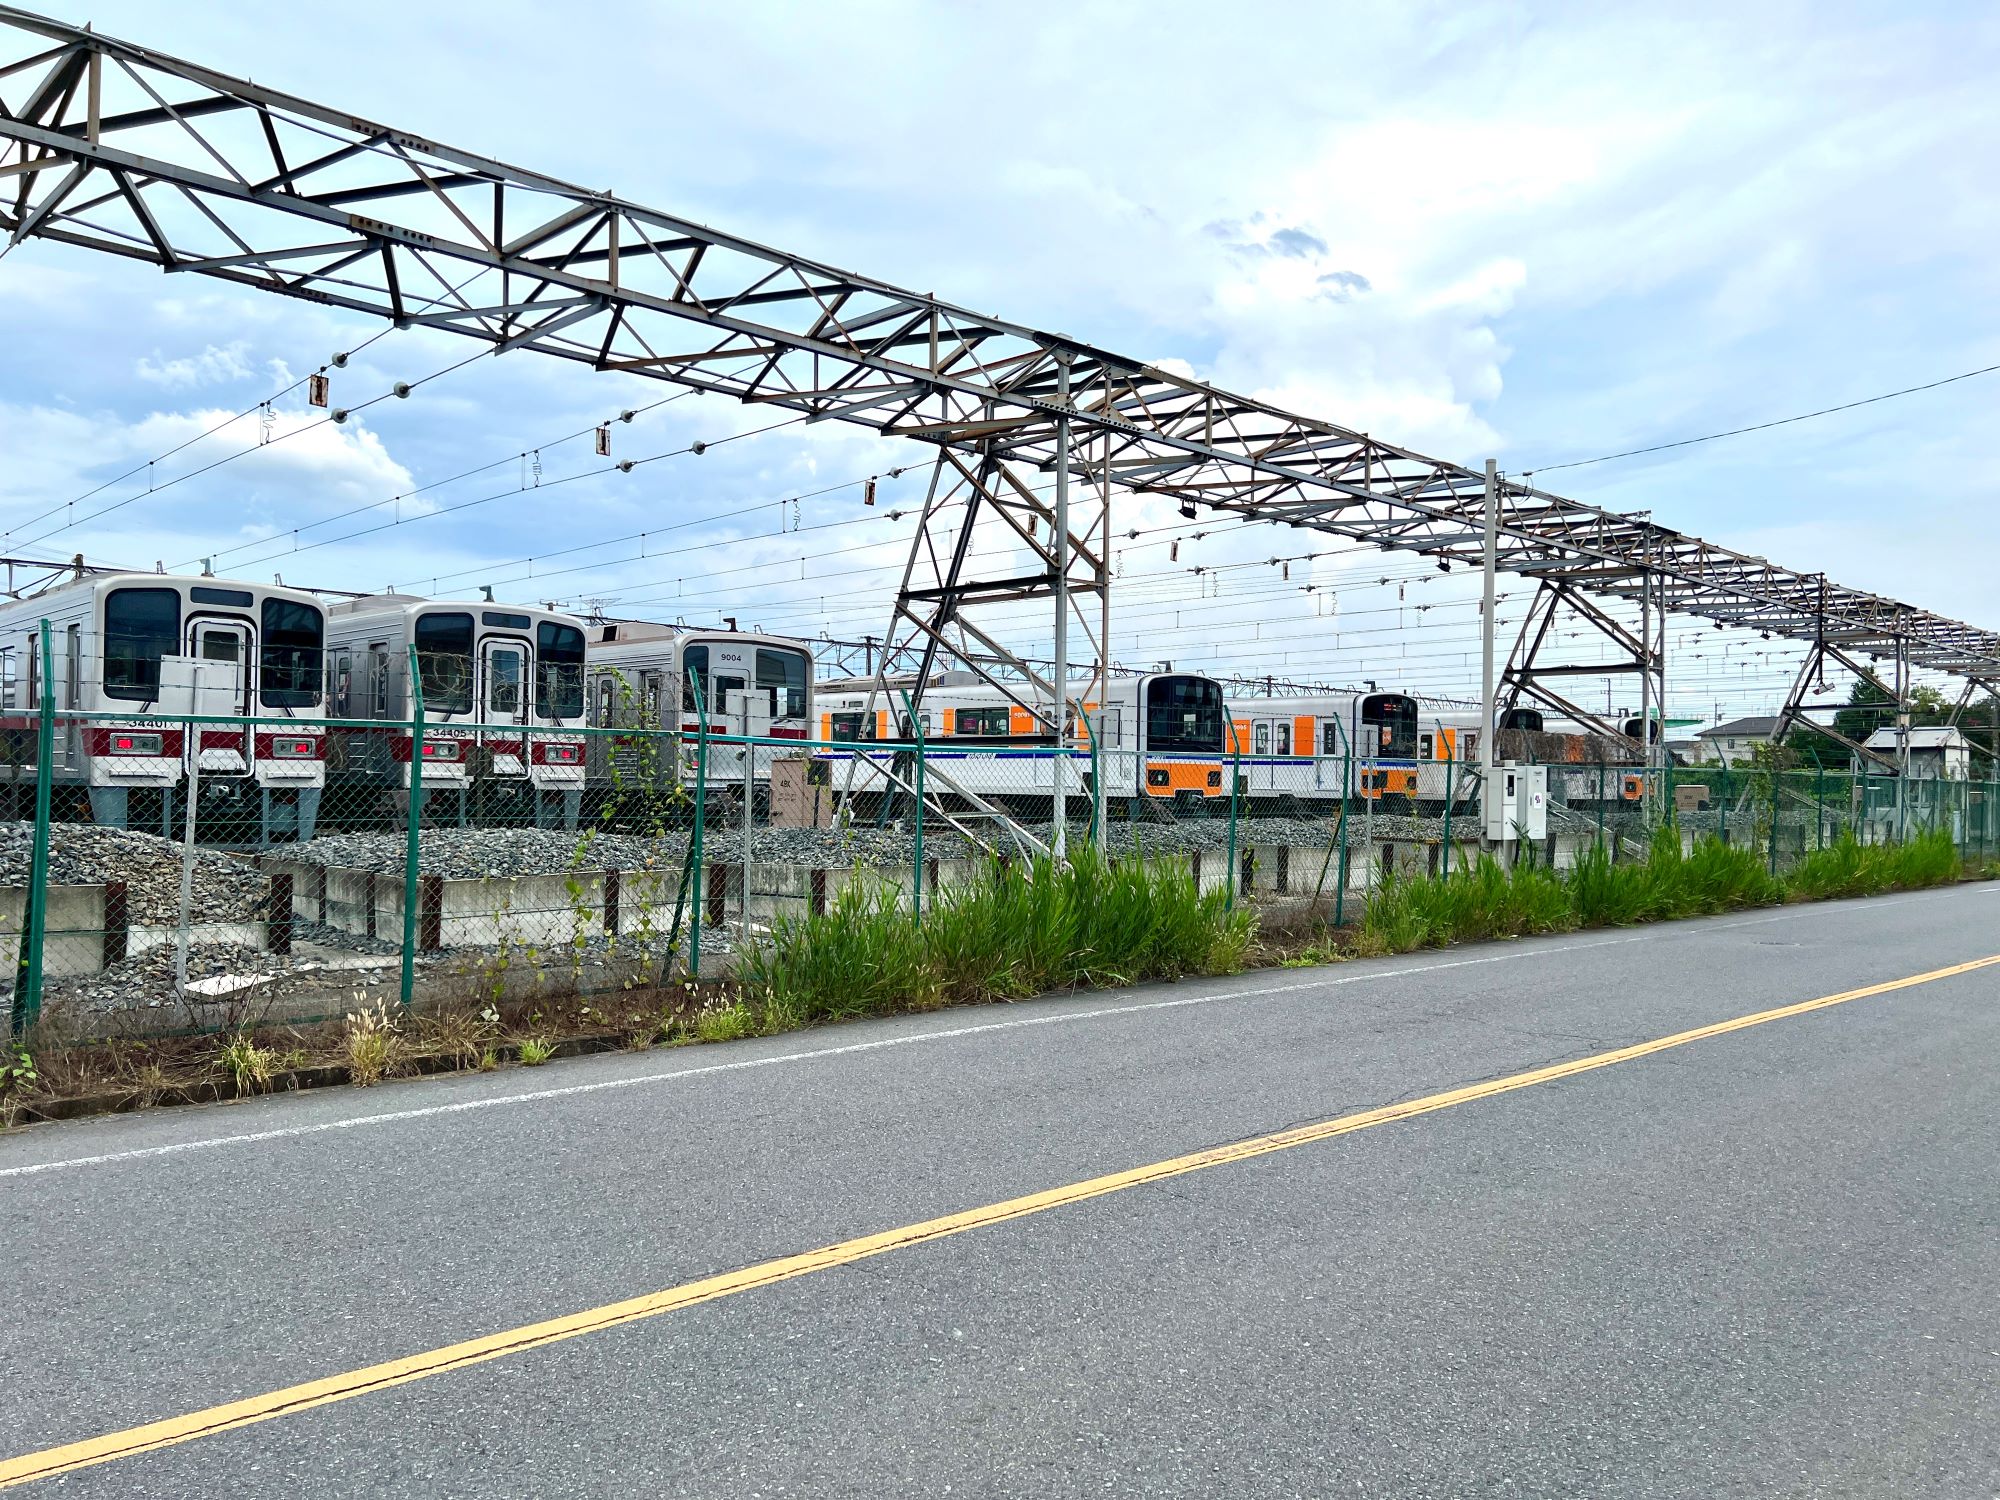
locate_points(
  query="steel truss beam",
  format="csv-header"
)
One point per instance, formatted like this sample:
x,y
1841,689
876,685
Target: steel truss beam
x,y
117,148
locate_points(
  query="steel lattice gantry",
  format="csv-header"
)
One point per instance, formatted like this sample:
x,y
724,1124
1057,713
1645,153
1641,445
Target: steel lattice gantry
x,y
113,147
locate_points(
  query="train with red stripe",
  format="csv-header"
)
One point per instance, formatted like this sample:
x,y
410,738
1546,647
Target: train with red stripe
x,y
162,648
503,704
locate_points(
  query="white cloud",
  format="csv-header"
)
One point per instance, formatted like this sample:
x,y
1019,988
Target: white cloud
x,y
213,366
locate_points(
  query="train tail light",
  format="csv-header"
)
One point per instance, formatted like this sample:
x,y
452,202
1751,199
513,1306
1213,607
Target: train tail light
x,y
562,755
135,744
291,747
441,750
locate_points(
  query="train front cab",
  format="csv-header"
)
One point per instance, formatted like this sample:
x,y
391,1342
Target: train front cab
x,y
257,655
1184,741
1385,751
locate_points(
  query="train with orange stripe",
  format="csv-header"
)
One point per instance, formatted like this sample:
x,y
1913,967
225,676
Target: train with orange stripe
x,y
164,647
1328,749
1155,738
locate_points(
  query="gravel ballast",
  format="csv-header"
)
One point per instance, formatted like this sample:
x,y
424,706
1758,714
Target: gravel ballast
x,y
226,887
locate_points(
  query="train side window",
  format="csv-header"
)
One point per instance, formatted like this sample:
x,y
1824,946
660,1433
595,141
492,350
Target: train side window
x,y
343,685
1425,744
34,674
1329,738
72,666
7,682
378,680
1260,739
1284,739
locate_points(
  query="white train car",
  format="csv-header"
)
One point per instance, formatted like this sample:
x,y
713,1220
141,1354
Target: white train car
x,y
644,675
1328,748
503,696
131,643
1164,741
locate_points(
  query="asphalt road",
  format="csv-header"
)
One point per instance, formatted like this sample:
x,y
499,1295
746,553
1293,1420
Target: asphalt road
x,y
1764,1263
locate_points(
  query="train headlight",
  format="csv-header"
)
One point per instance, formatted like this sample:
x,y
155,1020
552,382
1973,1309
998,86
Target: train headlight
x,y
1215,778
289,747
136,744
1156,776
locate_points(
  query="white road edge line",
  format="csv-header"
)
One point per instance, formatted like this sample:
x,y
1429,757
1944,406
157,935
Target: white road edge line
x,y
880,1044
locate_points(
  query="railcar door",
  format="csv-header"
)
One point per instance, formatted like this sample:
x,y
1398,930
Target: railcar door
x,y
222,650
503,669
1330,764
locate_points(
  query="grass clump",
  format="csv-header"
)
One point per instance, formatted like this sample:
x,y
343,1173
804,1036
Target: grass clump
x,y
375,1045
535,1050
1023,930
1848,867
249,1066
1489,901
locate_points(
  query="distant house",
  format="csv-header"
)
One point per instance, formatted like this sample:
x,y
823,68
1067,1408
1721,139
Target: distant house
x,y
1732,743
1935,754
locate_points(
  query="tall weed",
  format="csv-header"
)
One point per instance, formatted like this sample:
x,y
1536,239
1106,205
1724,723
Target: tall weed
x,y
1021,930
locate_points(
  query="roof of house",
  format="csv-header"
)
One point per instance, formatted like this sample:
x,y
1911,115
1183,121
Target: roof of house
x,y
1930,738
1739,727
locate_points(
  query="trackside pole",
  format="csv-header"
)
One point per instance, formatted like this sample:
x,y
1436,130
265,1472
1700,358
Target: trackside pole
x,y
1059,833
1490,555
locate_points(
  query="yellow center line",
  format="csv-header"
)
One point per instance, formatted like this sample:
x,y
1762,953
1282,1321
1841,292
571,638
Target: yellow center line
x,y
149,1436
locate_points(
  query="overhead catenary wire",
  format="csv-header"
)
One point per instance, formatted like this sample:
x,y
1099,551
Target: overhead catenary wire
x,y
1825,411
400,389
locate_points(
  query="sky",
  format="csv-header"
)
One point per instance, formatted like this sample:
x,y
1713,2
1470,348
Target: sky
x,y
1533,232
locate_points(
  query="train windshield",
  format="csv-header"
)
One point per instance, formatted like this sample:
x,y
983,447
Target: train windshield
x,y
140,627
558,671
444,662
290,661
783,674
1184,714
1388,726
1529,719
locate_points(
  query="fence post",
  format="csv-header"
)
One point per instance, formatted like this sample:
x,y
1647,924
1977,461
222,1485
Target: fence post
x,y
1600,803
1819,799
1347,785
1777,786
1231,872
1449,761
413,845
27,1007
696,871
1724,801
917,859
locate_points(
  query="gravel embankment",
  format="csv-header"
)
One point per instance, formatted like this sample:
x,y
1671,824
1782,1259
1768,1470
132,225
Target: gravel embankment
x,y
226,888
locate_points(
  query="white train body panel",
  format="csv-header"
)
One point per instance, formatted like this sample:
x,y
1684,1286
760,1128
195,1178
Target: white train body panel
x,y
503,691
138,643
1163,738
643,675
1328,747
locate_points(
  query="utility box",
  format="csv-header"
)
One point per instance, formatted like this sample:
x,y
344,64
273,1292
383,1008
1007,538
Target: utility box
x,y
1690,796
801,792
1517,804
